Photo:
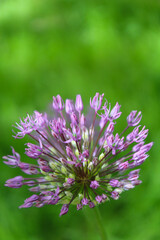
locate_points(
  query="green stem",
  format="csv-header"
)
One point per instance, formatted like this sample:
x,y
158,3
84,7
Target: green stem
x,y
100,223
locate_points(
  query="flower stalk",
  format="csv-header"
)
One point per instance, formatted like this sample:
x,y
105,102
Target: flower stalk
x,y
100,224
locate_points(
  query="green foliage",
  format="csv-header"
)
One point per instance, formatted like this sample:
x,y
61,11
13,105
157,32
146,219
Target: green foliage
x,y
68,47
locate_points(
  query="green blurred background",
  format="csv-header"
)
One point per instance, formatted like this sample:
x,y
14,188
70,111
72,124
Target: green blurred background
x,y
68,47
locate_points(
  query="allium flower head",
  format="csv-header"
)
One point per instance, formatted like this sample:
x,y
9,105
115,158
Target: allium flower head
x,y
76,158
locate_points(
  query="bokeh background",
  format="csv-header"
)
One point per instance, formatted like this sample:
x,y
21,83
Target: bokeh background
x,y
68,47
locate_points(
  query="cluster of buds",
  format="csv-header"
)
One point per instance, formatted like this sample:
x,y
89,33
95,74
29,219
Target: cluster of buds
x,y
77,158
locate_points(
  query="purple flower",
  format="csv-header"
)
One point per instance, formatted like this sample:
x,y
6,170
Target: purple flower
x,y
99,199
134,120
75,157
115,195
123,166
139,156
115,143
33,151
70,153
85,201
79,103
128,185
57,125
96,102
40,120
136,182
70,181
147,147
131,137
12,160
27,205
133,175
109,115
85,153
30,124
109,129
58,103
94,184
74,119
15,182
137,147
104,196
91,205
28,168
142,135
114,182
54,201
32,198
79,206
64,209
115,113
69,106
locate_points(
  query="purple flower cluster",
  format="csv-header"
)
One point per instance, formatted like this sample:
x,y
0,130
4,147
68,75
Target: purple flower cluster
x,y
77,158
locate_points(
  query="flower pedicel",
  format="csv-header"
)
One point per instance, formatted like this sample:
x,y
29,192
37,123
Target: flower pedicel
x,y
76,159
